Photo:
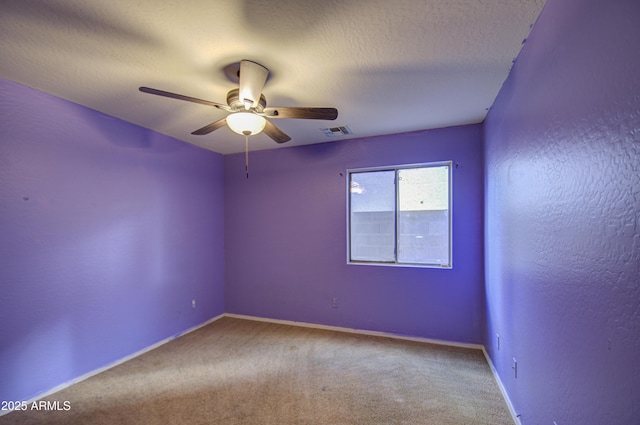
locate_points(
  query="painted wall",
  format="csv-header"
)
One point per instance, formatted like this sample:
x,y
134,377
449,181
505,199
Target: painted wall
x,y
286,239
107,232
563,218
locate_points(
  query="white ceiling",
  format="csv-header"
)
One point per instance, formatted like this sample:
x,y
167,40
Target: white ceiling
x,y
387,66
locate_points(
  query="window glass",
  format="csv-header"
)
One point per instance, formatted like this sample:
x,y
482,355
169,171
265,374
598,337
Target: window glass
x,y
373,216
423,218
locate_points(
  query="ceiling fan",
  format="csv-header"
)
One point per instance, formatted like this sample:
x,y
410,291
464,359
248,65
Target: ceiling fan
x,y
247,106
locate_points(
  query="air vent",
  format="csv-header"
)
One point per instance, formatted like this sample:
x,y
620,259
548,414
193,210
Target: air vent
x,y
336,131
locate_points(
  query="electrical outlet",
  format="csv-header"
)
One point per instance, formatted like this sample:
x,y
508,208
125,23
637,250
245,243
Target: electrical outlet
x,y
515,368
193,303
334,303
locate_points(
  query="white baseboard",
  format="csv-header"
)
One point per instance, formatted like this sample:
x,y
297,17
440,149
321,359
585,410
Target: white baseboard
x,y
503,390
115,363
357,331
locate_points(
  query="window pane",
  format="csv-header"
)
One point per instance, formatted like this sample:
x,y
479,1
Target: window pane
x,y
372,216
423,218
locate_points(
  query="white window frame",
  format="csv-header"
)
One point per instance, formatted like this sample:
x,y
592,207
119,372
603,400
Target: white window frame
x,y
396,168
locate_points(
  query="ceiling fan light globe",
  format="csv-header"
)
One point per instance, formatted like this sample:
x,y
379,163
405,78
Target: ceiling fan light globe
x,y
243,122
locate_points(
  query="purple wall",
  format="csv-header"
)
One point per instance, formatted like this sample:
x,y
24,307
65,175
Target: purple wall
x,y
285,239
107,232
562,208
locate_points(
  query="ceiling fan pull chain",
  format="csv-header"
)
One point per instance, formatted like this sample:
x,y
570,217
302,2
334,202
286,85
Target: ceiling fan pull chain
x,y
246,154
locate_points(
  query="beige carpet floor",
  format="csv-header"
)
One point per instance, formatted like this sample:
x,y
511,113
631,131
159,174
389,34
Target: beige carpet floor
x,y
236,371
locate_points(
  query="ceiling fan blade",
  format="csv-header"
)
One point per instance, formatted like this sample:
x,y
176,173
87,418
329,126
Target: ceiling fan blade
x,y
183,97
301,112
275,133
210,127
253,76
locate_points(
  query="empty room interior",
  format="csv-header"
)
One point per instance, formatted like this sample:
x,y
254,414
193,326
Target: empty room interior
x,y
436,218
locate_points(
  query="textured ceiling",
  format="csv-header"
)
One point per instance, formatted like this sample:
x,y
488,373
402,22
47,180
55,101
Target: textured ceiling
x,y
388,66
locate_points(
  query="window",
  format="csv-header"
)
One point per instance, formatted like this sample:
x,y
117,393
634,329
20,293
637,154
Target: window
x,y
400,215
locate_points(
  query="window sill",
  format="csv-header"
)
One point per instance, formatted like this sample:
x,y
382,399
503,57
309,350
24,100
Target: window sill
x,y
410,265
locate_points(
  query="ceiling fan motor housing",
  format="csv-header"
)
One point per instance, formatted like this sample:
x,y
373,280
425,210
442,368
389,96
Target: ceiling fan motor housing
x,y
233,100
